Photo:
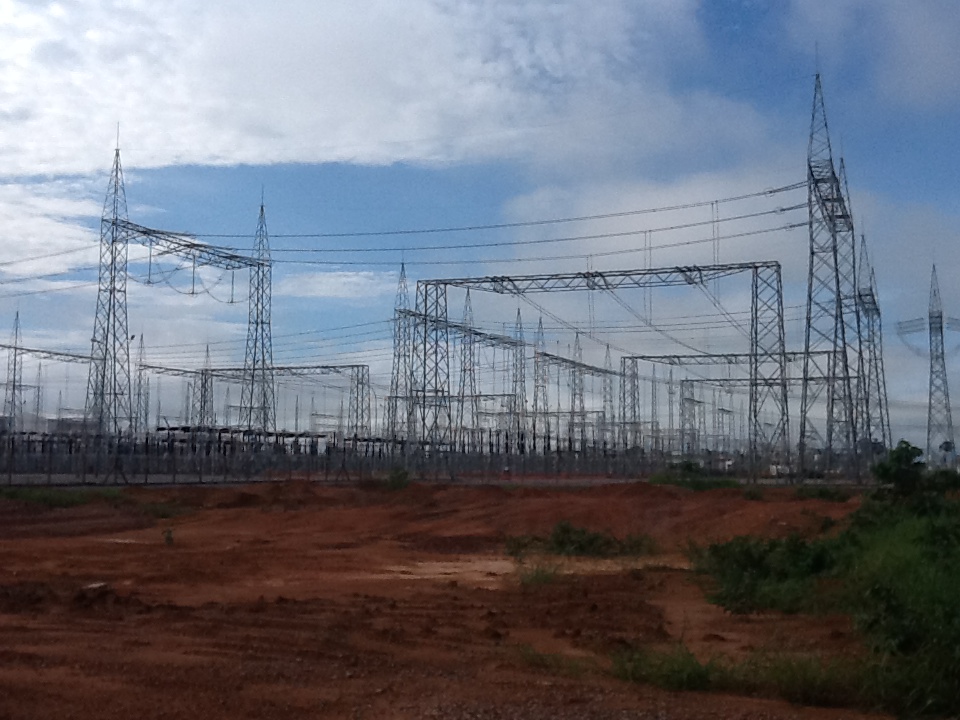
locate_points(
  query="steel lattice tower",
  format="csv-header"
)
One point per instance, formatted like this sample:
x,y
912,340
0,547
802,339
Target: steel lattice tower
x,y
941,450
541,383
14,395
631,436
518,408
141,417
578,412
108,406
258,400
430,386
203,412
38,397
832,335
609,421
876,411
399,406
468,407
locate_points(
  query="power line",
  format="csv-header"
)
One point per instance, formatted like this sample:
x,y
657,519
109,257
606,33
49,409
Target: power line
x,y
526,223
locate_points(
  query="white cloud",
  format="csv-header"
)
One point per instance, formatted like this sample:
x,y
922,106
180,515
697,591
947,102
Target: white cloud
x,y
337,284
423,80
908,48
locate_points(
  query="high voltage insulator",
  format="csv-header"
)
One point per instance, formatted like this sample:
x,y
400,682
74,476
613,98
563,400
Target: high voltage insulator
x,y
832,341
941,450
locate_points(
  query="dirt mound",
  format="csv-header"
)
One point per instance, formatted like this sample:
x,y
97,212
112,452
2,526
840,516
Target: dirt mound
x,y
34,597
22,520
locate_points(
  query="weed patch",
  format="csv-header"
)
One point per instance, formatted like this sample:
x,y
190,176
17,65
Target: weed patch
x,y
538,575
895,568
822,492
52,497
569,540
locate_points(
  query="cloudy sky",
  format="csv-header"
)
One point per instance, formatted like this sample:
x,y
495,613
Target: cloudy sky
x,y
360,118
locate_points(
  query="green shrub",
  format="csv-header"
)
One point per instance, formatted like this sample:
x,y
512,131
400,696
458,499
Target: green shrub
x,y
821,492
676,669
538,575
53,497
567,539
398,479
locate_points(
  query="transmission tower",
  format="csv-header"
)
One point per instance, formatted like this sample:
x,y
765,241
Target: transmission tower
x,y
108,406
876,411
609,421
258,400
141,418
14,398
203,412
832,341
38,397
578,413
399,406
541,383
518,408
468,408
941,451
430,385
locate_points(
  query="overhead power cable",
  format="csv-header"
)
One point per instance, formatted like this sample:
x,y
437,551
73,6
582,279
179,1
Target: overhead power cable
x,y
541,241
545,258
526,223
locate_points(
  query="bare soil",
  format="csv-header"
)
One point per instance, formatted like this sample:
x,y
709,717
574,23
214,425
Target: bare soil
x,y
288,600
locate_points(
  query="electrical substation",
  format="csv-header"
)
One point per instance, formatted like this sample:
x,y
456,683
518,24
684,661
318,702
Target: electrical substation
x,y
614,372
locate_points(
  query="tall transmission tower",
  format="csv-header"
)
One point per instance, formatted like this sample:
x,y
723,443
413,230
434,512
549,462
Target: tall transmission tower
x,y
141,417
609,421
578,413
203,411
832,340
108,406
258,400
14,396
541,383
519,405
399,407
876,410
38,398
941,450
468,408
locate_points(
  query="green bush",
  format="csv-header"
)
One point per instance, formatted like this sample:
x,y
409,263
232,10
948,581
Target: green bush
x,y
398,479
895,568
570,540
821,492
53,497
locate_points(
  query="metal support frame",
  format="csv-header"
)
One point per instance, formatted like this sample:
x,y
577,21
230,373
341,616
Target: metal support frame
x,y
833,322
941,446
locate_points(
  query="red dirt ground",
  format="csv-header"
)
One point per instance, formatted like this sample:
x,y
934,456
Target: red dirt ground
x,y
290,600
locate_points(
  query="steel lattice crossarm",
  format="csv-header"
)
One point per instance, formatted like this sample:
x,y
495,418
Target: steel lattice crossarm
x,y
704,359
185,246
48,354
603,280
359,409
506,341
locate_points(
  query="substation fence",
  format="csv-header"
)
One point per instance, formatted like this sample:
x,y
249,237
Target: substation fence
x,y
201,457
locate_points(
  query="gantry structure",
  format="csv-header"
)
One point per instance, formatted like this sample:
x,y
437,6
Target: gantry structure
x,y
111,407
